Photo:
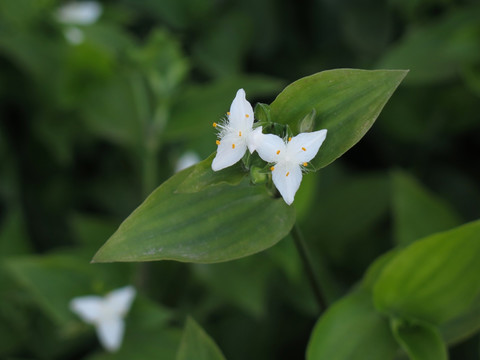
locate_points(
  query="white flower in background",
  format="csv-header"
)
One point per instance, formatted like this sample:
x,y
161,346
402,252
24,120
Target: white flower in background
x,y
186,160
79,13
106,314
288,159
236,133
74,35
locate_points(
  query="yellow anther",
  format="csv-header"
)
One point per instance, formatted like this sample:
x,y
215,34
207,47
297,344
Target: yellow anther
x,y
272,168
228,112
233,146
305,164
246,115
304,149
217,142
278,152
288,173
290,138
239,133
215,124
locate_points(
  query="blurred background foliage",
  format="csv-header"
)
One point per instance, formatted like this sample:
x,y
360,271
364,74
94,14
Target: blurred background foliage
x,y
90,125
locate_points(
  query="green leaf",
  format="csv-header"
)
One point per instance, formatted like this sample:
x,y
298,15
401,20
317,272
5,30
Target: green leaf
x,y
462,327
434,279
196,344
219,223
352,329
347,103
417,212
420,341
202,176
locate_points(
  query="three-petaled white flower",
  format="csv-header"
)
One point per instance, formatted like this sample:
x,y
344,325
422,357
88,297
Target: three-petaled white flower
x,y
236,133
289,158
106,314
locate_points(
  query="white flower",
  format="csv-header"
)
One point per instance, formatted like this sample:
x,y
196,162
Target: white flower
x,y
186,160
79,13
106,314
288,158
74,35
236,134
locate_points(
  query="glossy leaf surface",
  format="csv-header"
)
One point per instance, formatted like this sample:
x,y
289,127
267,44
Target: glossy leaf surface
x,y
347,103
216,224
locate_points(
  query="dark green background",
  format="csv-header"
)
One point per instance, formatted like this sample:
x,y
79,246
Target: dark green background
x,y
88,130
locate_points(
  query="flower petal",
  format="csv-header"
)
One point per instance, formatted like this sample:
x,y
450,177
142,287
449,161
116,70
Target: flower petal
x,y
287,179
241,112
305,146
120,300
254,139
88,308
271,148
110,333
228,153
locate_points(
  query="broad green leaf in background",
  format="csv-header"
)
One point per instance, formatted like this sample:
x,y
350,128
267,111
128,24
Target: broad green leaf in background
x,y
352,329
216,224
347,102
348,210
434,279
420,341
417,212
196,344
436,52
53,280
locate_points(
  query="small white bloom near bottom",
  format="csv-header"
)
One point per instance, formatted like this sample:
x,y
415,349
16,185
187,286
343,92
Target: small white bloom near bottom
x,y
106,314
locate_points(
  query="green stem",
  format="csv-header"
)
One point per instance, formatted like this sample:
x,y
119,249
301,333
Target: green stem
x,y
308,265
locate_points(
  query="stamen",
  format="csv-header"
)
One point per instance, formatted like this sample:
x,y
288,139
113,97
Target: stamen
x,y
246,115
215,124
305,164
288,173
278,152
290,138
239,133
272,168
233,146
217,142
228,112
304,149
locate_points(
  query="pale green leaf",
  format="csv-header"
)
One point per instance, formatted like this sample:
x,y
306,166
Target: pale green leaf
x,y
352,329
219,223
434,279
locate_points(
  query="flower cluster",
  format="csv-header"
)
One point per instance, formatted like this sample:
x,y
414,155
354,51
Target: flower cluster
x,y
287,157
